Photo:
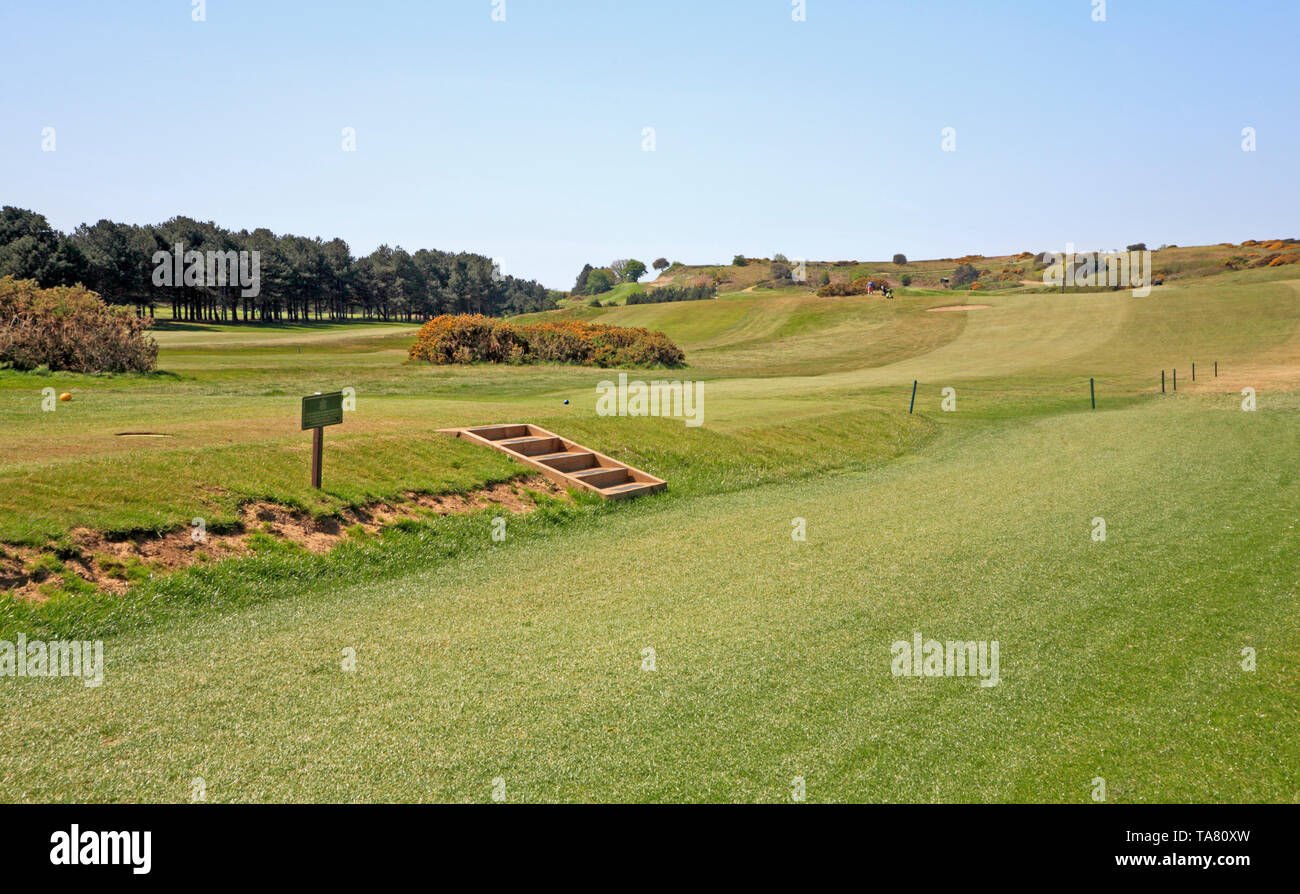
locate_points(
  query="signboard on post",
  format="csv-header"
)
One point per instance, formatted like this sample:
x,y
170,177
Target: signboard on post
x,y
318,411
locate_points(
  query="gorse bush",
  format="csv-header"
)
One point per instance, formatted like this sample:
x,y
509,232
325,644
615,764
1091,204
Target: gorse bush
x,y
468,338
70,328
857,287
595,344
474,338
697,292
1276,259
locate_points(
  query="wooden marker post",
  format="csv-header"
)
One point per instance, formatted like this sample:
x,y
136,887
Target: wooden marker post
x,y
1162,381
318,411
1092,393
912,405
317,454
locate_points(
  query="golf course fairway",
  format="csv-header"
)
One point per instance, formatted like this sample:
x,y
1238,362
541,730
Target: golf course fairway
x,y
690,646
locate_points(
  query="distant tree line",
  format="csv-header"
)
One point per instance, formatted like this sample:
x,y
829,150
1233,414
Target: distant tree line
x,y
301,278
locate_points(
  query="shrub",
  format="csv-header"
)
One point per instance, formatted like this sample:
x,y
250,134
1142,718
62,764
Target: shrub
x,y
1136,246
963,274
857,287
70,328
900,259
593,344
906,279
739,261
474,338
466,338
697,292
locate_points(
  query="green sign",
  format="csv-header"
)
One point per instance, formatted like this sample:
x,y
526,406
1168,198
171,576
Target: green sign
x,y
320,410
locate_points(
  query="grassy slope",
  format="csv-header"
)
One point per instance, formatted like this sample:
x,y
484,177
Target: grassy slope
x,y
999,272
1119,658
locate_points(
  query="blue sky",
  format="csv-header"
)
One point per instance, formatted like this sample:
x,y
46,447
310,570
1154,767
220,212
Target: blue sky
x,y
523,139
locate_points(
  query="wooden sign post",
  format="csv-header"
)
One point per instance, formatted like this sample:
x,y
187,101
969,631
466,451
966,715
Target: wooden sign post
x,y
318,411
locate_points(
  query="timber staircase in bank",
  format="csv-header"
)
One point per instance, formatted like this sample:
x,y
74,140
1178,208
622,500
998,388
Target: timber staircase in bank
x,y
565,462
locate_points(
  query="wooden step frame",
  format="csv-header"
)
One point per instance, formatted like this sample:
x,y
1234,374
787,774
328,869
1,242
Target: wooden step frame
x,y
565,462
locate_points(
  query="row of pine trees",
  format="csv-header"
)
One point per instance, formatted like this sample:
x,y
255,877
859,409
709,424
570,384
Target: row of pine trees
x,y
301,278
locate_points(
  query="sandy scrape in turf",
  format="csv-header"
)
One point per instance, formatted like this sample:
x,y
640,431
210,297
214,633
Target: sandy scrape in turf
x,y
109,564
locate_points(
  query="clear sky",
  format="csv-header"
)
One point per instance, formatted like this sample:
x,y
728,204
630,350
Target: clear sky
x,y
523,139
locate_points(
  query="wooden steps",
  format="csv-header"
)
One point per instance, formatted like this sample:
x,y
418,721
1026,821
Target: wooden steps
x,y
561,460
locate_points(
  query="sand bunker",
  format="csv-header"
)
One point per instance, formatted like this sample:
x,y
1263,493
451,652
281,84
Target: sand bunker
x,y
931,310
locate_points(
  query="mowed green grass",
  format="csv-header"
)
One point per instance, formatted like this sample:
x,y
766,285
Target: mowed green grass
x,y
522,660
230,401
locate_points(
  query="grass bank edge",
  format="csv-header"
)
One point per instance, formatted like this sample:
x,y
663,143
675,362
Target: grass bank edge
x,y
279,568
